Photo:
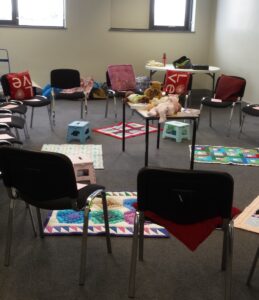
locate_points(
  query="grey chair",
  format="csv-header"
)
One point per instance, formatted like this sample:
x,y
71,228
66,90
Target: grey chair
x,y
47,181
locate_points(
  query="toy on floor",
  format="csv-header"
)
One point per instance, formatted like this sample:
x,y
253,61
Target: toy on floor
x,y
170,107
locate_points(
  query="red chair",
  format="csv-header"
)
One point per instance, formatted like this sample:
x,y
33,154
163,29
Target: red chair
x,y
120,79
178,83
229,90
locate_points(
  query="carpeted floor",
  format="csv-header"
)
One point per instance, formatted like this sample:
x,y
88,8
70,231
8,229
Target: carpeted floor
x,y
49,268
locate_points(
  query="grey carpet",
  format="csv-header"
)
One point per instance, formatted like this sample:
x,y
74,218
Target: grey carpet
x,y
48,268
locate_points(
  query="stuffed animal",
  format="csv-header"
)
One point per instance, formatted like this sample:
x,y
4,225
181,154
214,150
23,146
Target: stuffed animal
x,y
170,107
136,98
154,90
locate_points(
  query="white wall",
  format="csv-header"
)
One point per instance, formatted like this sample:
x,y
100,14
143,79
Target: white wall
x,y
235,42
87,43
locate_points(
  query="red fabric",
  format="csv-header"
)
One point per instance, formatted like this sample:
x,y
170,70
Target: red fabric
x,y
176,82
228,88
20,85
122,77
192,235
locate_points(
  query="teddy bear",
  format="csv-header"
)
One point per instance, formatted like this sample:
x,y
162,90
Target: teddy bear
x,y
170,107
154,90
136,98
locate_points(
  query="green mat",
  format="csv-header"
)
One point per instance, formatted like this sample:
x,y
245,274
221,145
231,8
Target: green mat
x,y
226,155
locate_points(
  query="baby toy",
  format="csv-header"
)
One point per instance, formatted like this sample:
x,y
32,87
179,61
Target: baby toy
x,y
170,107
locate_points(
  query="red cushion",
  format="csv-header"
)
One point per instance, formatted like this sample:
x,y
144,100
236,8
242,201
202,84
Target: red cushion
x,y
176,82
228,88
20,85
192,235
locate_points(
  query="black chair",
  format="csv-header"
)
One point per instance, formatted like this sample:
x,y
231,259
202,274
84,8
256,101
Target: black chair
x,y
250,110
34,102
12,121
6,136
62,79
229,90
183,198
47,181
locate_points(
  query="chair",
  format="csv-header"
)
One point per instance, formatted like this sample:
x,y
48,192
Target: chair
x,y
250,110
12,121
179,83
191,205
64,79
251,272
229,90
120,79
6,136
18,86
46,180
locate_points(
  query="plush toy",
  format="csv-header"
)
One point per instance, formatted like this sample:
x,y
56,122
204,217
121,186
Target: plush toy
x,y
170,107
136,98
154,90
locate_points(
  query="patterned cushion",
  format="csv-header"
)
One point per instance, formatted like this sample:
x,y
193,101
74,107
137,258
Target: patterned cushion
x,y
20,85
176,82
122,77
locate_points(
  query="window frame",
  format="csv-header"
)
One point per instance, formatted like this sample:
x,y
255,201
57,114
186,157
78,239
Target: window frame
x,y
187,23
15,19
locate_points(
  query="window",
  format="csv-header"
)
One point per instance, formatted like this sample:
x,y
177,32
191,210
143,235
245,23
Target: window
x,y
175,15
42,13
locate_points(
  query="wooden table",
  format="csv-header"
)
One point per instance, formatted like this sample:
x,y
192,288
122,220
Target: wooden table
x,y
188,114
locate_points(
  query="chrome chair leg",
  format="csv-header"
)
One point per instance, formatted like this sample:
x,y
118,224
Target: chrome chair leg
x,y
84,247
230,119
229,253
49,115
32,219
115,107
40,222
210,114
106,222
242,124
106,106
134,252
9,233
253,267
141,235
32,113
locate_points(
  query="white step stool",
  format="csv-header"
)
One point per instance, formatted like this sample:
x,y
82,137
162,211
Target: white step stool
x,y
78,130
84,169
176,130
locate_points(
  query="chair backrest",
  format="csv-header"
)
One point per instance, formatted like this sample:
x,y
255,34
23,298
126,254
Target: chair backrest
x,y
39,177
185,196
177,82
230,88
65,78
121,77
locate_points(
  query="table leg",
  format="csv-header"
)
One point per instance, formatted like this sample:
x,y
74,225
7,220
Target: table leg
x,y
193,143
158,135
146,142
123,124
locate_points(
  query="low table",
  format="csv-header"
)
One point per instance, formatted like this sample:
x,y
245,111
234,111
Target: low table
x,y
188,114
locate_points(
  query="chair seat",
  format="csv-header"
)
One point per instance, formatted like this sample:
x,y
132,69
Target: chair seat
x,y
70,96
18,109
37,101
12,139
252,110
15,121
208,102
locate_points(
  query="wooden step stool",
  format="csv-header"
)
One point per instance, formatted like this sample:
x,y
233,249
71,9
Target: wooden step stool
x,y
176,130
84,168
78,130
